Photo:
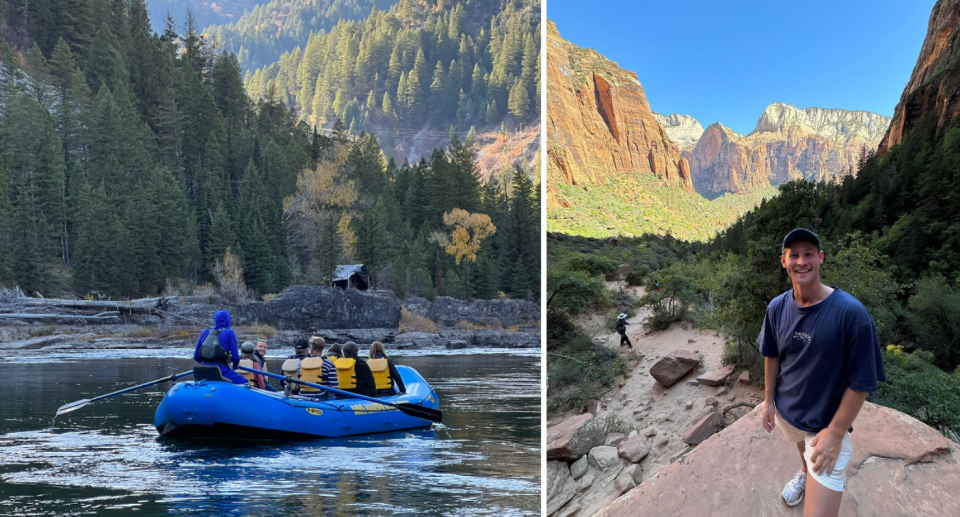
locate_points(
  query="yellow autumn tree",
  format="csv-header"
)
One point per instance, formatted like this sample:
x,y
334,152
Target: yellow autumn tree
x,y
468,232
319,215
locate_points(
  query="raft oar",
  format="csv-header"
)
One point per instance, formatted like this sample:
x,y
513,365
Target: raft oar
x,y
414,410
73,406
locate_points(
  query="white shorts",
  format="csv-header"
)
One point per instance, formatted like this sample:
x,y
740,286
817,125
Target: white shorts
x,y
837,480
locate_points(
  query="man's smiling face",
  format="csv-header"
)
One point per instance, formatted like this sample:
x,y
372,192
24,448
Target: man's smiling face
x,y
802,261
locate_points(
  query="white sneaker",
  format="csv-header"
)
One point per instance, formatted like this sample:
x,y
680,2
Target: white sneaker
x,y
793,492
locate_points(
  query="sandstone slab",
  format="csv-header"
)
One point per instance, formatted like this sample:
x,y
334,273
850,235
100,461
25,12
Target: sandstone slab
x,y
614,439
745,377
672,367
718,376
568,441
913,467
704,428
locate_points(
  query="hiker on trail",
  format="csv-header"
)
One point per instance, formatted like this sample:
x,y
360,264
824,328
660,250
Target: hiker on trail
x,y
218,347
384,371
247,358
821,359
621,328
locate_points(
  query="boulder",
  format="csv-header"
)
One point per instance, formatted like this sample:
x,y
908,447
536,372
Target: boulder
x,y
899,466
603,457
593,406
314,307
704,428
635,472
417,339
745,377
614,439
624,482
560,485
568,441
717,377
579,467
634,449
669,369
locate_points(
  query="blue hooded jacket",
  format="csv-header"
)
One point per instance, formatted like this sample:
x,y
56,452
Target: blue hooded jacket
x,y
228,340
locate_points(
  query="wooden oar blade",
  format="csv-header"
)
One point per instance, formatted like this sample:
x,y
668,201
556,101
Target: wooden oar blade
x,y
414,410
73,406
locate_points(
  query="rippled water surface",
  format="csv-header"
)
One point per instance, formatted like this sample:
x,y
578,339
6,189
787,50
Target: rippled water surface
x,y
107,458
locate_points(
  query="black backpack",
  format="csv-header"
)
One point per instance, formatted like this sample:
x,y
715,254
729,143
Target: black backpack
x,y
211,351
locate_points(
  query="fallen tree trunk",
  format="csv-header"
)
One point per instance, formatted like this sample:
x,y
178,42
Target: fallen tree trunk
x,y
64,317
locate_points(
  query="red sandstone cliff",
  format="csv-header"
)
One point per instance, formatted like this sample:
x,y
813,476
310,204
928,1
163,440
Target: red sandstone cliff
x,y
599,123
787,144
933,83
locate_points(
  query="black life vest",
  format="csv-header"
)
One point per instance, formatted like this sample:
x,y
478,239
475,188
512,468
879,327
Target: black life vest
x,y
211,351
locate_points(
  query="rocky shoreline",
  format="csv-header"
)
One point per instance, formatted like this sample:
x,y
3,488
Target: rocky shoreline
x,y
299,311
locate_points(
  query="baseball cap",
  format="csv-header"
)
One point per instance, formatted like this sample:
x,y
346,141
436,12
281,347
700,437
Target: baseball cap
x,y
801,235
301,344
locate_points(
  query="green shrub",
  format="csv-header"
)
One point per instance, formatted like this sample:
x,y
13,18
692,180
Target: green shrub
x,y
609,424
592,264
579,370
574,291
920,389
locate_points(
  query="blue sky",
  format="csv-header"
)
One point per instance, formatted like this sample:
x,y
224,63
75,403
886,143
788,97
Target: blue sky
x,y
726,60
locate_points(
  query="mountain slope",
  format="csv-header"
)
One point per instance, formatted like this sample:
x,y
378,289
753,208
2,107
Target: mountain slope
x,y
787,144
599,124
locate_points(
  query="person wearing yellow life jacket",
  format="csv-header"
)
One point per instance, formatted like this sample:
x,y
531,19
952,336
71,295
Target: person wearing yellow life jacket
x,y
353,373
317,369
291,367
384,371
247,359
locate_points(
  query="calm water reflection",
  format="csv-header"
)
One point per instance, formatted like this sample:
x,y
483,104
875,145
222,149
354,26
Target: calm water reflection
x,y
107,457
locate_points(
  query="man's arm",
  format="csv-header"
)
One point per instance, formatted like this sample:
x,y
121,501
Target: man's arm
x,y
771,370
826,445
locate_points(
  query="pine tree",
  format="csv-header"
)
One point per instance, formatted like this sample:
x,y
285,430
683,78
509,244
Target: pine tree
x,y
519,104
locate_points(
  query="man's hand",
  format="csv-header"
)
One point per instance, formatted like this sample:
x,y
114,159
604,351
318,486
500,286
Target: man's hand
x,y
769,422
826,449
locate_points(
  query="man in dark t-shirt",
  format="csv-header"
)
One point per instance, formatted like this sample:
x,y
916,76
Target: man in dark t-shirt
x,y
822,358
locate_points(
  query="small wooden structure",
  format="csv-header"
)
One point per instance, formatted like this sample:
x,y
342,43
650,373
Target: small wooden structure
x,y
352,276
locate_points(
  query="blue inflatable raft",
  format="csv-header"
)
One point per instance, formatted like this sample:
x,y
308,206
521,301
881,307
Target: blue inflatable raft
x,y
205,408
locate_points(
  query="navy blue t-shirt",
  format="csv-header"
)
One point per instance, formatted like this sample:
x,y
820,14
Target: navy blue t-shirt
x,y
823,349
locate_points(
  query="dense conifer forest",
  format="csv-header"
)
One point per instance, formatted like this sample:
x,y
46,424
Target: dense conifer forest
x,y
449,64
133,163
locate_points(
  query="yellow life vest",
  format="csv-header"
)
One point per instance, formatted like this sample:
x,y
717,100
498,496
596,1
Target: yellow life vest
x,y
346,375
311,370
381,373
247,375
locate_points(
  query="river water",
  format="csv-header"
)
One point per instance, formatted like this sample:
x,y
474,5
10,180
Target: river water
x,y
107,458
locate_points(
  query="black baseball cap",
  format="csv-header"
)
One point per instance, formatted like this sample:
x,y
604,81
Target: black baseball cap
x,y
801,235
301,344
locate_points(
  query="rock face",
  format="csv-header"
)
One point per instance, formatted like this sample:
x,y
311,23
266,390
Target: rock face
x,y
683,130
599,123
672,367
313,307
932,86
568,440
742,469
787,144
447,312
561,486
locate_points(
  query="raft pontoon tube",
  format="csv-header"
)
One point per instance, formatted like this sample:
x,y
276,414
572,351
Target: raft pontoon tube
x,y
213,408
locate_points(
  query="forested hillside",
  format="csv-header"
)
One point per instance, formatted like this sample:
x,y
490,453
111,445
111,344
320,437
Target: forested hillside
x,y
205,13
268,30
449,64
133,162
